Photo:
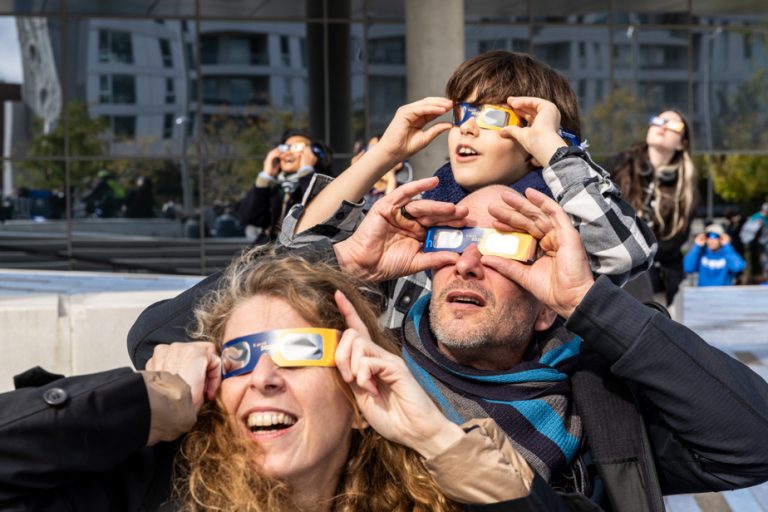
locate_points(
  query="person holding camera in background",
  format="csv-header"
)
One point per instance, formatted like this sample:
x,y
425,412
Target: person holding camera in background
x,y
285,176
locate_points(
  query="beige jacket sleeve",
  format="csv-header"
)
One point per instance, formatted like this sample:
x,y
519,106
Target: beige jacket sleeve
x,y
482,467
171,408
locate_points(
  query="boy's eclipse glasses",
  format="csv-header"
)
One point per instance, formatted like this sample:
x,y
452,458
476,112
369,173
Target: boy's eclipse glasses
x,y
675,126
490,242
493,117
288,348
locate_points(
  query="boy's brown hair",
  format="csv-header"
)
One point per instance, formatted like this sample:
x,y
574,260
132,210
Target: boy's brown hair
x,y
499,74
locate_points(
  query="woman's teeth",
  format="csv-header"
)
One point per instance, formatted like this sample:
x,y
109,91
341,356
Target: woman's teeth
x,y
269,421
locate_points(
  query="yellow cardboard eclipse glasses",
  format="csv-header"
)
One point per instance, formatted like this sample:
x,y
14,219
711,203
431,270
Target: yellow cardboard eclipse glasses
x,y
675,126
304,346
490,242
493,117
489,117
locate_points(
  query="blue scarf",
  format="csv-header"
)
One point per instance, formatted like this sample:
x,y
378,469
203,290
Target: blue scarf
x,y
530,402
451,192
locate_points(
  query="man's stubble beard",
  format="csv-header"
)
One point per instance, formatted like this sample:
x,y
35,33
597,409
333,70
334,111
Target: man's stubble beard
x,y
509,330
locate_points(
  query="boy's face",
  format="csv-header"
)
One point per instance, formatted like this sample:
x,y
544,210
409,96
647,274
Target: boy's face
x,y
481,157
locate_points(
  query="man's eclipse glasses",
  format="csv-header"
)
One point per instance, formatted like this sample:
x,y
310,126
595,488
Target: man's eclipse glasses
x,y
490,242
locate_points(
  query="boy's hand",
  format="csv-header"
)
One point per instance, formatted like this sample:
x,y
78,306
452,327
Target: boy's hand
x,y
406,135
540,138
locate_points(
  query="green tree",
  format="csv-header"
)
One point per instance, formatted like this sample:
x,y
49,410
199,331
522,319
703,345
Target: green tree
x,y
86,138
615,122
740,177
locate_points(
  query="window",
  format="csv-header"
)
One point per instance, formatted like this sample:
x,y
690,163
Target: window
x,y
663,57
386,50
115,47
486,45
287,93
170,91
557,55
236,90
124,127
168,121
234,49
285,50
165,52
117,89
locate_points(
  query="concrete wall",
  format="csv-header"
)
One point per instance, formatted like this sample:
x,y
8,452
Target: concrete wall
x,y
68,334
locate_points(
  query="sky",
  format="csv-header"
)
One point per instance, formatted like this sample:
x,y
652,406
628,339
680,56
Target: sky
x,y
10,62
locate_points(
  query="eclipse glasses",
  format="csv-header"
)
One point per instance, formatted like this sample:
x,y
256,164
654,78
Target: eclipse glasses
x,y
492,117
297,147
490,242
675,126
288,348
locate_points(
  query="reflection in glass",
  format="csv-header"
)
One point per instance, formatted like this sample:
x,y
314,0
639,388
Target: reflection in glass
x,y
485,38
245,9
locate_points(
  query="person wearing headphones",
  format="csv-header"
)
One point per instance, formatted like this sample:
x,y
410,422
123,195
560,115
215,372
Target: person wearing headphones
x,y
285,176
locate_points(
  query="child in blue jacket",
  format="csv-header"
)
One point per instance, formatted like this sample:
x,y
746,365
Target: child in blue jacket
x,y
713,257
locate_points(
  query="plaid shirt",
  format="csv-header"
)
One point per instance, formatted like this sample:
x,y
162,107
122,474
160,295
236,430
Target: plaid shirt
x,y
618,244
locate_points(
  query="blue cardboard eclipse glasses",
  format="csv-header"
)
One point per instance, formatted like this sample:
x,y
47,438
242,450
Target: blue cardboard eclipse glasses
x,y
490,242
493,117
304,346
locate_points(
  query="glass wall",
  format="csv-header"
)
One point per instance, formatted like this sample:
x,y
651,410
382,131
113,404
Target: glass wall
x,y
142,124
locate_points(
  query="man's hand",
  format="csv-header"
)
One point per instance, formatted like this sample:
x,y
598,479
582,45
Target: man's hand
x,y
561,276
307,157
406,135
195,362
269,167
387,245
540,138
390,399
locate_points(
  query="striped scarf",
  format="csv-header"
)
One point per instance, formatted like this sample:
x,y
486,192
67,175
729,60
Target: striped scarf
x,y
530,402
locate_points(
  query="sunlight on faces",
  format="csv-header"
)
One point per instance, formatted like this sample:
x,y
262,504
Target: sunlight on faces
x,y
473,306
664,138
290,161
481,157
303,420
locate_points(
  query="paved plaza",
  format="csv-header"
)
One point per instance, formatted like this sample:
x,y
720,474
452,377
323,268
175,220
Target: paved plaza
x,y
735,320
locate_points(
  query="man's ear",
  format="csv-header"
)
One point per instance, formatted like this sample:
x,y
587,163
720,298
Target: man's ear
x,y
544,319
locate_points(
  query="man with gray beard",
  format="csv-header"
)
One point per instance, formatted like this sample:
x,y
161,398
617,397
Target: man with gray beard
x,y
611,403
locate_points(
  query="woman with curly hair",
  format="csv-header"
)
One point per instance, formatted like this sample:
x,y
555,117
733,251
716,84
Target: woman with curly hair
x,y
301,404
658,179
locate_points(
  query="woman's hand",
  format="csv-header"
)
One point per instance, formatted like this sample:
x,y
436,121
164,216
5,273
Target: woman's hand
x,y
195,362
390,399
406,135
540,137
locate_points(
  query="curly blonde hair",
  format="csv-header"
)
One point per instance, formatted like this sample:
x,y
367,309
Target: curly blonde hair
x,y
215,469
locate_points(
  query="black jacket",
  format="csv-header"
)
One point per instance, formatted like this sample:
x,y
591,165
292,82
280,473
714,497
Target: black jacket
x,y
78,444
263,207
698,418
